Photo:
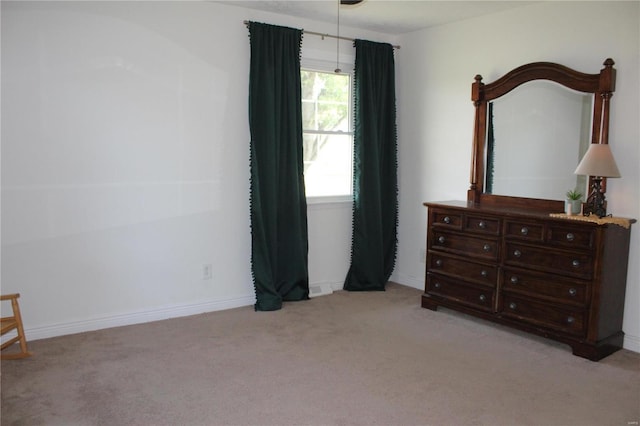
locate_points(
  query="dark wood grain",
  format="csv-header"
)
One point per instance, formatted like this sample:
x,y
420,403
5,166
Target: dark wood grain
x,y
566,282
601,85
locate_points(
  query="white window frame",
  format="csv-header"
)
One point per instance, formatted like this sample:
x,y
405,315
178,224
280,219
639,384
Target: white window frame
x,y
329,67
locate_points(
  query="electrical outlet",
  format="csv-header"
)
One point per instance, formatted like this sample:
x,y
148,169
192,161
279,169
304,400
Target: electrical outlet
x,y
423,255
207,271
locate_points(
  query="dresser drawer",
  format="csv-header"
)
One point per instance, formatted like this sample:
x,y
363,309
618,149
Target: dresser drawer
x,y
565,319
446,219
482,225
524,230
577,264
480,248
460,292
544,286
461,268
514,262
573,237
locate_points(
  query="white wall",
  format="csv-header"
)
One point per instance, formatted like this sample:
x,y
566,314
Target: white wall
x,y
435,114
125,161
125,147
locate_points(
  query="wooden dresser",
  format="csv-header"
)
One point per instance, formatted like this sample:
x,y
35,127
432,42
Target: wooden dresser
x,y
556,277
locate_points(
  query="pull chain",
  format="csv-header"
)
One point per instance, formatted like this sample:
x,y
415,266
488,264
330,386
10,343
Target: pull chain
x,y
338,70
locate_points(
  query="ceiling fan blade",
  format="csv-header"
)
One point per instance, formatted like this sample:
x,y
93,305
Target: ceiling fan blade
x,y
350,2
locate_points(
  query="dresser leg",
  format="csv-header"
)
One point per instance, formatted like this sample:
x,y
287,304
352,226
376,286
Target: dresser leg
x,y
429,303
599,350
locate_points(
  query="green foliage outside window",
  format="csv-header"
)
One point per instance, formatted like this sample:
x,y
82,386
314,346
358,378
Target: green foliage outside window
x,y
327,137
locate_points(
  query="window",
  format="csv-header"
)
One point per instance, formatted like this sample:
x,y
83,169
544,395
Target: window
x,y
327,135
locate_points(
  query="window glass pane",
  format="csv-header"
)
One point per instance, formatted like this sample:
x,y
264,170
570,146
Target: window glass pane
x,y
325,101
309,119
328,141
327,164
333,117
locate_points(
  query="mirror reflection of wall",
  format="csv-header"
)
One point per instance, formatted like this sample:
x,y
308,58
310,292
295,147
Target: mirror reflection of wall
x,y
541,130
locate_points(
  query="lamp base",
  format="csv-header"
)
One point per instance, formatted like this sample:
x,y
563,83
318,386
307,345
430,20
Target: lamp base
x,y
596,202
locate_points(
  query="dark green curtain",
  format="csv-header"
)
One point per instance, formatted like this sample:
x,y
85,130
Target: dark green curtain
x,y
279,249
375,188
491,142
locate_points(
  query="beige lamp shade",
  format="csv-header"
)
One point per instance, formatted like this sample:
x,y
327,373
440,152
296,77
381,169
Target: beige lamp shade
x,y
598,161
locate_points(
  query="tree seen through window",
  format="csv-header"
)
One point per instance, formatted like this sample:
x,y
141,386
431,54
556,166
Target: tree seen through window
x,y
328,140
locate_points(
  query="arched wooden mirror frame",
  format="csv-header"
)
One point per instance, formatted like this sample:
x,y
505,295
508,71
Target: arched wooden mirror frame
x,y
602,85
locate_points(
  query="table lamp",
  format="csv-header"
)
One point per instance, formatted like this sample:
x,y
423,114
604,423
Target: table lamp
x,y
598,163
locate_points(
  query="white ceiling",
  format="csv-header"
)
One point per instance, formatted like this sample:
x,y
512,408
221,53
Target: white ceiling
x,y
384,16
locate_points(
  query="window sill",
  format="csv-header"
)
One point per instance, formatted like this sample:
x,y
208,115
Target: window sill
x,y
336,200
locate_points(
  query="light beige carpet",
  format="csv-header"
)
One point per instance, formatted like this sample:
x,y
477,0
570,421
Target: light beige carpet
x,y
348,358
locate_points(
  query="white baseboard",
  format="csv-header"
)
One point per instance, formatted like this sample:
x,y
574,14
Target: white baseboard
x,y
408,280
62,329
631,343
167,312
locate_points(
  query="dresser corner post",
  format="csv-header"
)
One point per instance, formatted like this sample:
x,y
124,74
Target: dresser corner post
x,y
599,350
429,303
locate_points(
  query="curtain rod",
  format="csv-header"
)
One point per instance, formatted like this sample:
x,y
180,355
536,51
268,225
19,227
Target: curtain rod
x,y
323,35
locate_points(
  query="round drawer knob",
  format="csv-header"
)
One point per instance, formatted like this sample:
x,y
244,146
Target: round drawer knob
x,y
486,247
441,239
514,280
524,230
439,262
484,274
437,285
482,298
575,263
517,253
571,320
573,292
570,237
482,224
512,306
447,220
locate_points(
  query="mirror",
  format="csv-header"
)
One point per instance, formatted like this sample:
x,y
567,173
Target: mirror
x,y
532,127
537,135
